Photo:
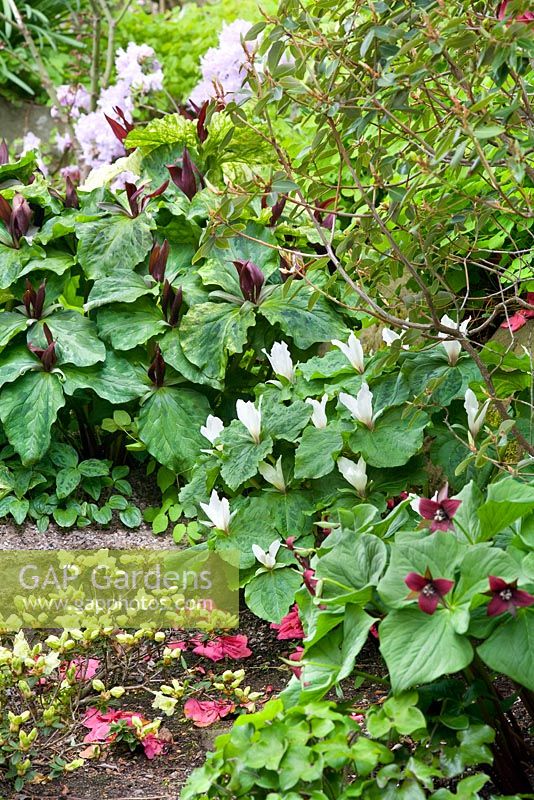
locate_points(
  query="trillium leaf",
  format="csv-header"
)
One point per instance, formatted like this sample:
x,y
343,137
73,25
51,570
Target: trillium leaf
x,y
127,325
507,500
55,262
116,380
11,323
317,452
173,354
76,338
394,439
270,594
219,269
351,566
169,426
11,265
434,649
241,455
210,332
332,658
290,309
115,243
125,287
14,362
509,648
284,422
28,409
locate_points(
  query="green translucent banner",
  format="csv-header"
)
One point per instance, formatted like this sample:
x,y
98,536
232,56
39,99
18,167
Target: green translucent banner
x,y
118,588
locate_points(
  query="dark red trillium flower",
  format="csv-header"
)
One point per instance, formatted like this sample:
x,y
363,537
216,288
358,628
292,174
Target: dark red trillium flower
x,y
156,371
526,16
34,300
71,195
47,355
139,201
506,597
121,131
277,208
16,217
184,177
4,153
326,220
392,502
171,303
251,280
428,590
440,510
158,260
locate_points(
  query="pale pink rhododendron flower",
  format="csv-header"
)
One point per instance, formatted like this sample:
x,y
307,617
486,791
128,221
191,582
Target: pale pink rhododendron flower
x,y
100,722
223,647
206,712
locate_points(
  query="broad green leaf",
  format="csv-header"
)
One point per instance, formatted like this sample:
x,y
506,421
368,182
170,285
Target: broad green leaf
x,y
169,426
11,265
76,337
332,659
219,269
28,409
351,566
509,648
270,594
110,245
284,422
394,439
122,287
317,452
174,356
210,332
169,129
11,323
67,479
241,455
131,517
56,262
290,309
506,501
419,647
115,380
127,325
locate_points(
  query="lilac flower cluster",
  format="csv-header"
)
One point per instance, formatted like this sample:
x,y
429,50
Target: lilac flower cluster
x,y
138,72
75,99
224,68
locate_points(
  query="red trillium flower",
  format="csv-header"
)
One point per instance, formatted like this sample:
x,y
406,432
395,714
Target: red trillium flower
x,y
4,153
310,581
202,131
439,511
16,217
251,280
326,220
277,208
506,597
428,590
156,371
34,300
47,355
158,260
121,131
526,16
184,177
290,627
71,195
171,303
139,201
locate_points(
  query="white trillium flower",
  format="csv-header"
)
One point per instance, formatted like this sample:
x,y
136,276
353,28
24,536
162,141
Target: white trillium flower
x,y
212,429
475,413
361,406
318,416
250,417
280,360
354,473
273,475
352,350
389,336
267,559
453,347
218,512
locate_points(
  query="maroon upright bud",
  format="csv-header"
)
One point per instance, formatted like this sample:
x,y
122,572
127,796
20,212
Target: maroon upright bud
x,y
167,296
328,220
28,298
202,131
174,314
71,195
47,355
39,301
34,300
137,200
251,280
4,153
184,177
120,131
156,371
20,217
158,260
5,211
